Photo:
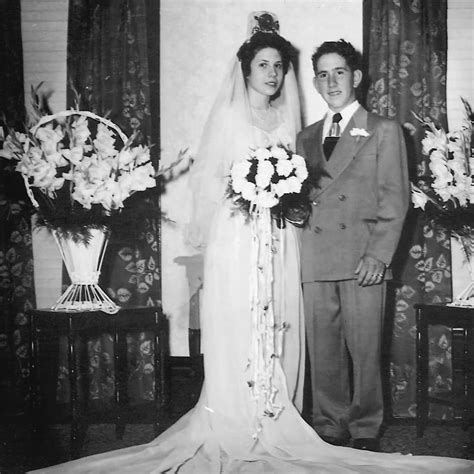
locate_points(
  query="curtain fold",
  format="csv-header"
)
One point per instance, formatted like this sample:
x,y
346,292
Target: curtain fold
x,y
109,74
17,293
405,49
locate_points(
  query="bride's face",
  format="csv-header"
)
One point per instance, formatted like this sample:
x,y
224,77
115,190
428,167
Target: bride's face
x,y
266,72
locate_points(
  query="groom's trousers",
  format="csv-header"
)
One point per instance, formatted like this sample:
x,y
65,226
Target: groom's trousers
x,y
344,332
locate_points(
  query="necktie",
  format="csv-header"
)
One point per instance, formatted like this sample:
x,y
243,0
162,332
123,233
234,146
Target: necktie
x,y
334,134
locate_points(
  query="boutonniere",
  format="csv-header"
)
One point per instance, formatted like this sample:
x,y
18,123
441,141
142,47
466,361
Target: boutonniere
x,y
359,132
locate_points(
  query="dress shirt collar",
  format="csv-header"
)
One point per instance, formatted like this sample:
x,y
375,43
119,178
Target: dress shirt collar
x,y
346,113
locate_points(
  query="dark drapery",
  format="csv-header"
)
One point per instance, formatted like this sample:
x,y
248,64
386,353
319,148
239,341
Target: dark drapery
x,y
405,48
112,68
16,255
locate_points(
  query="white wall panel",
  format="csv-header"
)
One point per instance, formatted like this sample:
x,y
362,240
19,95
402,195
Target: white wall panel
x,y
460,78
44,34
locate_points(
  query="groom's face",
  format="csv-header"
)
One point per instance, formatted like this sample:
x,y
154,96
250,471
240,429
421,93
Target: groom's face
x,y
336,82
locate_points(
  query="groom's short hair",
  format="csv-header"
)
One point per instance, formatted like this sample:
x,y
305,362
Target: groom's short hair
x,y
343,48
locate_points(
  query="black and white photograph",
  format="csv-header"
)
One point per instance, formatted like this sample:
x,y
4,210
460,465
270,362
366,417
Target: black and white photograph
x,y
237,236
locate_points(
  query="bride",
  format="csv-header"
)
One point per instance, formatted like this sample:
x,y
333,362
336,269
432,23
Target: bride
x,y
228,431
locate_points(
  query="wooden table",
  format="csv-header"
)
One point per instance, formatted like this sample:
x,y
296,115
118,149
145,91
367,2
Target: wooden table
x,y
461,322
46,328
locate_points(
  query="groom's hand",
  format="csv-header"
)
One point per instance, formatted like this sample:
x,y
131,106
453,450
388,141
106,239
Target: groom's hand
x,y
298,216
370,271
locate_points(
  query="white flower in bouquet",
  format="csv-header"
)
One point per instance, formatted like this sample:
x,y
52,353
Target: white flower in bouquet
x,y
249,191
109,195
49,138
12,143
265,172
138,179
240,170
458,167
460,191
97,171
301,173
435,140
80,131
238,184
441,173
281,188
418,197
74,155
104,142
298,161
266,200
139,155
294,184
270,178
279,153
284,167
261,154
300,167
43,173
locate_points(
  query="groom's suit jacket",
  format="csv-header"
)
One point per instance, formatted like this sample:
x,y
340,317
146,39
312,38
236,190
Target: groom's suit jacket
x,y
360,204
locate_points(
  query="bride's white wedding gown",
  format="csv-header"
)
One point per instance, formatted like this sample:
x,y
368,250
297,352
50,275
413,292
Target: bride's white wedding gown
x,y
217,435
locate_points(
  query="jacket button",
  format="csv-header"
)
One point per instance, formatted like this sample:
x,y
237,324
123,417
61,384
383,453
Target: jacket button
x,y
342,226
317,230
342,197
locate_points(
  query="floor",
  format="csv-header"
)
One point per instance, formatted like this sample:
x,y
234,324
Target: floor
x,y
19,453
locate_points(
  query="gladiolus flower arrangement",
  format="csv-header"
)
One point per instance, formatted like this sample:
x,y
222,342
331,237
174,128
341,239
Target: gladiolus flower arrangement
x,y
446,193
79,169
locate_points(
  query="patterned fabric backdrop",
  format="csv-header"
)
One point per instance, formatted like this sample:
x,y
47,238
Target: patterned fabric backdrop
x,y
405,44
108,67
16,255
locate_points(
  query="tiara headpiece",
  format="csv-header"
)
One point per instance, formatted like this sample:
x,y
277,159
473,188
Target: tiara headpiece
x,y
264,22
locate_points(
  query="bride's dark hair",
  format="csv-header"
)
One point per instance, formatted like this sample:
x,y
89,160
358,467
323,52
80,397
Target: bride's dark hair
x,y
262,40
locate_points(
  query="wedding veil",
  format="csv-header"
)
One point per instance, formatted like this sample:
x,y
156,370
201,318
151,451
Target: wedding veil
x,y
226,138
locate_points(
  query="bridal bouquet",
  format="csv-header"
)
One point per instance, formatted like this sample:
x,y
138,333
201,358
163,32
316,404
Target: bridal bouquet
x,y
446,194
272,178
79,169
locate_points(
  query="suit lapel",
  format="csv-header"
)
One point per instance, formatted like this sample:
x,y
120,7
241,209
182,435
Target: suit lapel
x,y
361,120
346,149
313,146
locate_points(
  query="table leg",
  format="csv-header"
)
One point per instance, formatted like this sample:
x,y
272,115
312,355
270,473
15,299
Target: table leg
x,y
33,378
459,386
74,410
422,373
160,361
470,375
157,358
120,363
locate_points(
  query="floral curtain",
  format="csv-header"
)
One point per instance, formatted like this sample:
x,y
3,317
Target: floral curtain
x,y
112,72
16,255
405,47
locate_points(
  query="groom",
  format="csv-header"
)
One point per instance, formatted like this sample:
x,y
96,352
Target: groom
x,y
357,216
